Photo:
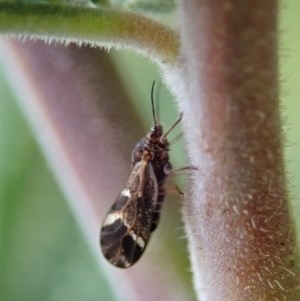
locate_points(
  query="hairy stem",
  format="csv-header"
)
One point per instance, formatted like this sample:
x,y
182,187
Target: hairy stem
x,y
241,236
100,27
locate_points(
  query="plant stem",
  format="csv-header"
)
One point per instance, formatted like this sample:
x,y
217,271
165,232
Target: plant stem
x,y
100,27
241,236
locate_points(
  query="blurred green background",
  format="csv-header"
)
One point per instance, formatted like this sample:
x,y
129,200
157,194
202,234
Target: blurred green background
x,y
38,233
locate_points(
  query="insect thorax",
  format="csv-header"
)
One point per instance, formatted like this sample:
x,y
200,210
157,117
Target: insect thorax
x,y
156,152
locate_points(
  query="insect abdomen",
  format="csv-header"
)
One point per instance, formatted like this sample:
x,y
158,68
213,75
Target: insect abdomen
x,y
157,210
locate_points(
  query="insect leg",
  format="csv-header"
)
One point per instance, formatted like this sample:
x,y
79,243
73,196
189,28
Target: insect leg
x,y
173,189
173,172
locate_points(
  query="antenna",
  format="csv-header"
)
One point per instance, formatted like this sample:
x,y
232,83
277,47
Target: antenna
x,y
152,104
172,127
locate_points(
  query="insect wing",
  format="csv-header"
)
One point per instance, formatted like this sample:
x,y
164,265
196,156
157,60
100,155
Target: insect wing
x,y
126,228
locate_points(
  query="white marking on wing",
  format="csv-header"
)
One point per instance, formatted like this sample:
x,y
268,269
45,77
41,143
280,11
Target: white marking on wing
x,y
126,192
111,218
139,240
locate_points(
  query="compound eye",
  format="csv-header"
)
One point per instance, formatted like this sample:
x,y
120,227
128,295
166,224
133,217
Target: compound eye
x,y
168,168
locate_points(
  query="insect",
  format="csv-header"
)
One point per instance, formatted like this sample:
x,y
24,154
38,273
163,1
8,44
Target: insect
x,y
128,225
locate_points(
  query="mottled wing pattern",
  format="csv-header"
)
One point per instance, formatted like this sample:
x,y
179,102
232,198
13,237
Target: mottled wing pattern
x,y
127,227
